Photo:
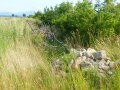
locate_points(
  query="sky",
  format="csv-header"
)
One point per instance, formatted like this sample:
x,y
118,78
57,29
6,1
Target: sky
x,y
29,5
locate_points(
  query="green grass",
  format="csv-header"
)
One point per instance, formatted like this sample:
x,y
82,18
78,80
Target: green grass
x,y
25,66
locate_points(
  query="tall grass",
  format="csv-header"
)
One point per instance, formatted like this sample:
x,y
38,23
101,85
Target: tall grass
x,y
112,47
24,66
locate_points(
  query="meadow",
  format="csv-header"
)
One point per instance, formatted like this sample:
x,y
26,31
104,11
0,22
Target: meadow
x,y
27,66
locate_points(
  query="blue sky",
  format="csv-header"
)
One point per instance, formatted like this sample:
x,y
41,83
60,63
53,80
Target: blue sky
x,y
28,5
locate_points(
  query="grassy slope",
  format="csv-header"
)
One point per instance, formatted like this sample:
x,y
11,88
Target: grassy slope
x,y
25,67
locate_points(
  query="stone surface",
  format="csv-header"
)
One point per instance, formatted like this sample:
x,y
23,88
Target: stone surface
x,y
89,59
90,52
82,52
99,55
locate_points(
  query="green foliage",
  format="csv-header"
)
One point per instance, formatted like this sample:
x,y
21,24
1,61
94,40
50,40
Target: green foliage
x,y
25,66
91,22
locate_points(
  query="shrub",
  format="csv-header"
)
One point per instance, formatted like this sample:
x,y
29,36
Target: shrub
x,y
84,19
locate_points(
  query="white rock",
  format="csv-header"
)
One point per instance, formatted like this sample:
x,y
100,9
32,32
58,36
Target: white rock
x,y
88,65
107,63
101,71
104,67
91,58
82,52
110,72
100,55
101,62
90,52
79,53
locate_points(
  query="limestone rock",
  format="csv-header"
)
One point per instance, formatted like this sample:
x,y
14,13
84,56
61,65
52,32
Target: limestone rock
x,y
90,52
82,52
110,72
108,62
89,59
100,55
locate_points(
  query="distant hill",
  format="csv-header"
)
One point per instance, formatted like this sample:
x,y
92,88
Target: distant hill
x,y
5,14
18,14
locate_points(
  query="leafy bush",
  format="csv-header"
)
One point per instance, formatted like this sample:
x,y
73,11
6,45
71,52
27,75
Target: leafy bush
x,y
84,19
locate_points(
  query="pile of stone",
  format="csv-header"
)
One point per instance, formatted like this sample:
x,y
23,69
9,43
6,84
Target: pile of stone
x,y
89,59
92,59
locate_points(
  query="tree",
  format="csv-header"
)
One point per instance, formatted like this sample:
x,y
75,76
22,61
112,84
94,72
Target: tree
x,y
38,15
63,8
13,15
24,15
83,19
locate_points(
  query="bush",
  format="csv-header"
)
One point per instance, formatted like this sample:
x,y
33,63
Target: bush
x,y
83,19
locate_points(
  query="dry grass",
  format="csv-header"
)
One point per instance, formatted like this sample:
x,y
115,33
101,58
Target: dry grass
x,y
23,66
